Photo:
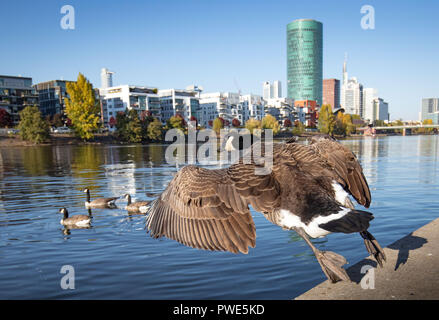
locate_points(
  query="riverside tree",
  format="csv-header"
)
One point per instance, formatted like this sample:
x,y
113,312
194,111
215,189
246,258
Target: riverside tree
x,y
252,124
32,126
270,122
155,131
218,124
82,107
326,120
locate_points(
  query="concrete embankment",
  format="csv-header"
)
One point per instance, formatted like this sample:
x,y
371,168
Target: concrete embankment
x,y
410,272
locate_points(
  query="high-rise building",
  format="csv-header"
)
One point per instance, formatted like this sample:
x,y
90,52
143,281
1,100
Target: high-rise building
x,y
266,90
430,110
369,110
352,97
276,91
15,94
331,93
381,109
106,78
305,60
271,90
51,95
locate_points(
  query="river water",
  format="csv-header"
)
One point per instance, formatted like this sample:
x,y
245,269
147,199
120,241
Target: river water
x,y
116,259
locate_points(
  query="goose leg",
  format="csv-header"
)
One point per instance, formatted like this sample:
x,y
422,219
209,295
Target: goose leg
x,y
373,247
329,261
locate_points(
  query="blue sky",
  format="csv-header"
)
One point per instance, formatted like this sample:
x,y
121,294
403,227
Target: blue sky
x,y
224,45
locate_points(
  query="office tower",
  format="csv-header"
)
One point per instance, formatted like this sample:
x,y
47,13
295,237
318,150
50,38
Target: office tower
x,y
331,93
369,110
430,109
276,89
305,60
266,90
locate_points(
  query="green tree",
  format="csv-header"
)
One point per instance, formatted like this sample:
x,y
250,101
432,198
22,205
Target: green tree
x,y
270,122
134,127
218,125
128,126
326,120
155,130
82,107
298,129
32,126
253,124
176,122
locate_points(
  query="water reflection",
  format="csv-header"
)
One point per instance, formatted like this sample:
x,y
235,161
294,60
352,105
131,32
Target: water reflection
x,y
36,181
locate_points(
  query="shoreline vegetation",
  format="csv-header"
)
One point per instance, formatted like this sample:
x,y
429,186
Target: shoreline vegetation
x,y
14,140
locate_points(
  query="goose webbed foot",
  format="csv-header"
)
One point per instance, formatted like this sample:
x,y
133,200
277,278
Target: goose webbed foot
x,y
331,264
373,247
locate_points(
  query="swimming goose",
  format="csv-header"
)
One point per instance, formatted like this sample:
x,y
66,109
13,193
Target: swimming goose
x,y
136,207
306,191
79,220
100,202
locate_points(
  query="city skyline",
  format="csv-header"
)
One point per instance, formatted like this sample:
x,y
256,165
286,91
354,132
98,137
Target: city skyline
x,y
223,50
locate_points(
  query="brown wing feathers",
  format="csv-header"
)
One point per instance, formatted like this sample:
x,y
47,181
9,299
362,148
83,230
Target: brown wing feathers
x,y
208,209
348,169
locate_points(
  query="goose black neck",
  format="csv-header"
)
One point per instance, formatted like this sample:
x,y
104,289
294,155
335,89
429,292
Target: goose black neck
x,y
88,195
128,199
66,214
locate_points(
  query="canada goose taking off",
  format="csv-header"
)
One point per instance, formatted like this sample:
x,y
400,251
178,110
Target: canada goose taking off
x,y
306,191
99,202
79,220
136,207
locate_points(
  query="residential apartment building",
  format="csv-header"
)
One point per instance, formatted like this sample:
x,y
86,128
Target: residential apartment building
x,y
125,97
15,94
307,112
220,104
51,96
183,102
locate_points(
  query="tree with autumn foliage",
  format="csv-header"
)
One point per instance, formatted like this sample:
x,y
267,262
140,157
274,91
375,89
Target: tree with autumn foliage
x,y
82,107
270,122
326,120
5,119
218,124
252,124
288,123
236,123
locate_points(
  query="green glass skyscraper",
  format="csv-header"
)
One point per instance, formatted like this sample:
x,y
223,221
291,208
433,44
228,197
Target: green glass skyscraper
x,y
305,60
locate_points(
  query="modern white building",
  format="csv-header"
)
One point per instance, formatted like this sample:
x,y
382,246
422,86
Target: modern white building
x,y
369,95
183,102
281,109
217,104
381,109
256,105
430,110
272,90
352,96
106,78
125,97
276,89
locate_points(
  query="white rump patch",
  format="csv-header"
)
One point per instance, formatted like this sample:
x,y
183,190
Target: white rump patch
x,y
83,222
340,193
289,220
144,209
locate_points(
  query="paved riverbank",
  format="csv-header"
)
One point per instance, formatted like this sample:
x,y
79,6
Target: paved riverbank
x,y
411,272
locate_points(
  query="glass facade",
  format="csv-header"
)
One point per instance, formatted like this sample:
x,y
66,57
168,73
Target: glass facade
x,y
305,60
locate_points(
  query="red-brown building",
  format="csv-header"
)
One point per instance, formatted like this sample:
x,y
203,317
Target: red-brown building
x,y
331,93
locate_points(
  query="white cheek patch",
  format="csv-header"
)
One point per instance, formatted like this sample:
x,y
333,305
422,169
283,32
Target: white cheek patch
x,y
340,194
289,220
